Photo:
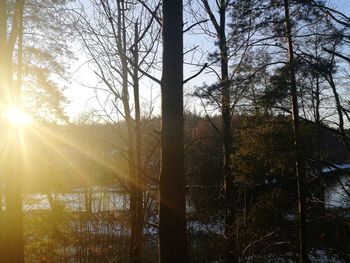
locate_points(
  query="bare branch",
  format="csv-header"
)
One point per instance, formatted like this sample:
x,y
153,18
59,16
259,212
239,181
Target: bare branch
x,y
197,74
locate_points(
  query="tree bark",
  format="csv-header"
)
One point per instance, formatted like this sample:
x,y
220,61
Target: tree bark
x,y
12,243
8,39
295,120
138,217
172,208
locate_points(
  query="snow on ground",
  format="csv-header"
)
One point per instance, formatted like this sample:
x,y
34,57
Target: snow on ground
x,y
334,167
315,256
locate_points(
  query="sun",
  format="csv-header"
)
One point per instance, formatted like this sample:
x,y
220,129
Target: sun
x,y
17,116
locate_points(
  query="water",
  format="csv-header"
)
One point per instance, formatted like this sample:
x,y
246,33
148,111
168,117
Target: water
x,y
336,196
101,200
110,199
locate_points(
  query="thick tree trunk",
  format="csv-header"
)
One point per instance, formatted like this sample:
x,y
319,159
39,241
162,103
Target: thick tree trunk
x,y
3,20
295,118
12,243
172,208
8,38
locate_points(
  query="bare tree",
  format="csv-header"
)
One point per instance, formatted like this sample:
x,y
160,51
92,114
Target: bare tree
x,y
122,49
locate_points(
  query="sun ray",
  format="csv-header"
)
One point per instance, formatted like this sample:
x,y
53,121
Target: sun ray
x,y
67,161
41,135
109,163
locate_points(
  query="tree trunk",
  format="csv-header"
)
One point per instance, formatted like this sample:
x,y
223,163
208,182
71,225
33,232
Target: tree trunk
x,y
295,119
172,208
138,216
339,108
318,158
220,28
121,46
227,142
8,38
12,243
4,56
3,31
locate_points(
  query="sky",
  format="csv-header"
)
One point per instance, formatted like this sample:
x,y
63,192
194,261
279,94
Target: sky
x,y
82,96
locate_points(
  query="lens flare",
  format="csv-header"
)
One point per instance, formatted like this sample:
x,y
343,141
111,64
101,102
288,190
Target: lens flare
x,y
17,117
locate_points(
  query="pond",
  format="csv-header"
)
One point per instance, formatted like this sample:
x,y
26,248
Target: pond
x,y
112,199
337,192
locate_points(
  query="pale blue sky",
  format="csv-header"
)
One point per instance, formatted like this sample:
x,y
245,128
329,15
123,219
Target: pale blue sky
x,y
81,97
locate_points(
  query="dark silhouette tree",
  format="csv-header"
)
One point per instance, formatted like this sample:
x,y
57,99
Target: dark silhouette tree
x,y
297,150
172,209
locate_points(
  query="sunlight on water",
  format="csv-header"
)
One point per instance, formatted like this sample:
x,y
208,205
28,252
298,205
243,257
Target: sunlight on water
x,y
100,201
335,196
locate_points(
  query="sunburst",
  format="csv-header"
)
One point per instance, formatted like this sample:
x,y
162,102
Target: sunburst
x,y
17,117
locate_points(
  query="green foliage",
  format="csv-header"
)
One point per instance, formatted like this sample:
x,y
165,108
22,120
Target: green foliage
x,y
277,91
263,148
